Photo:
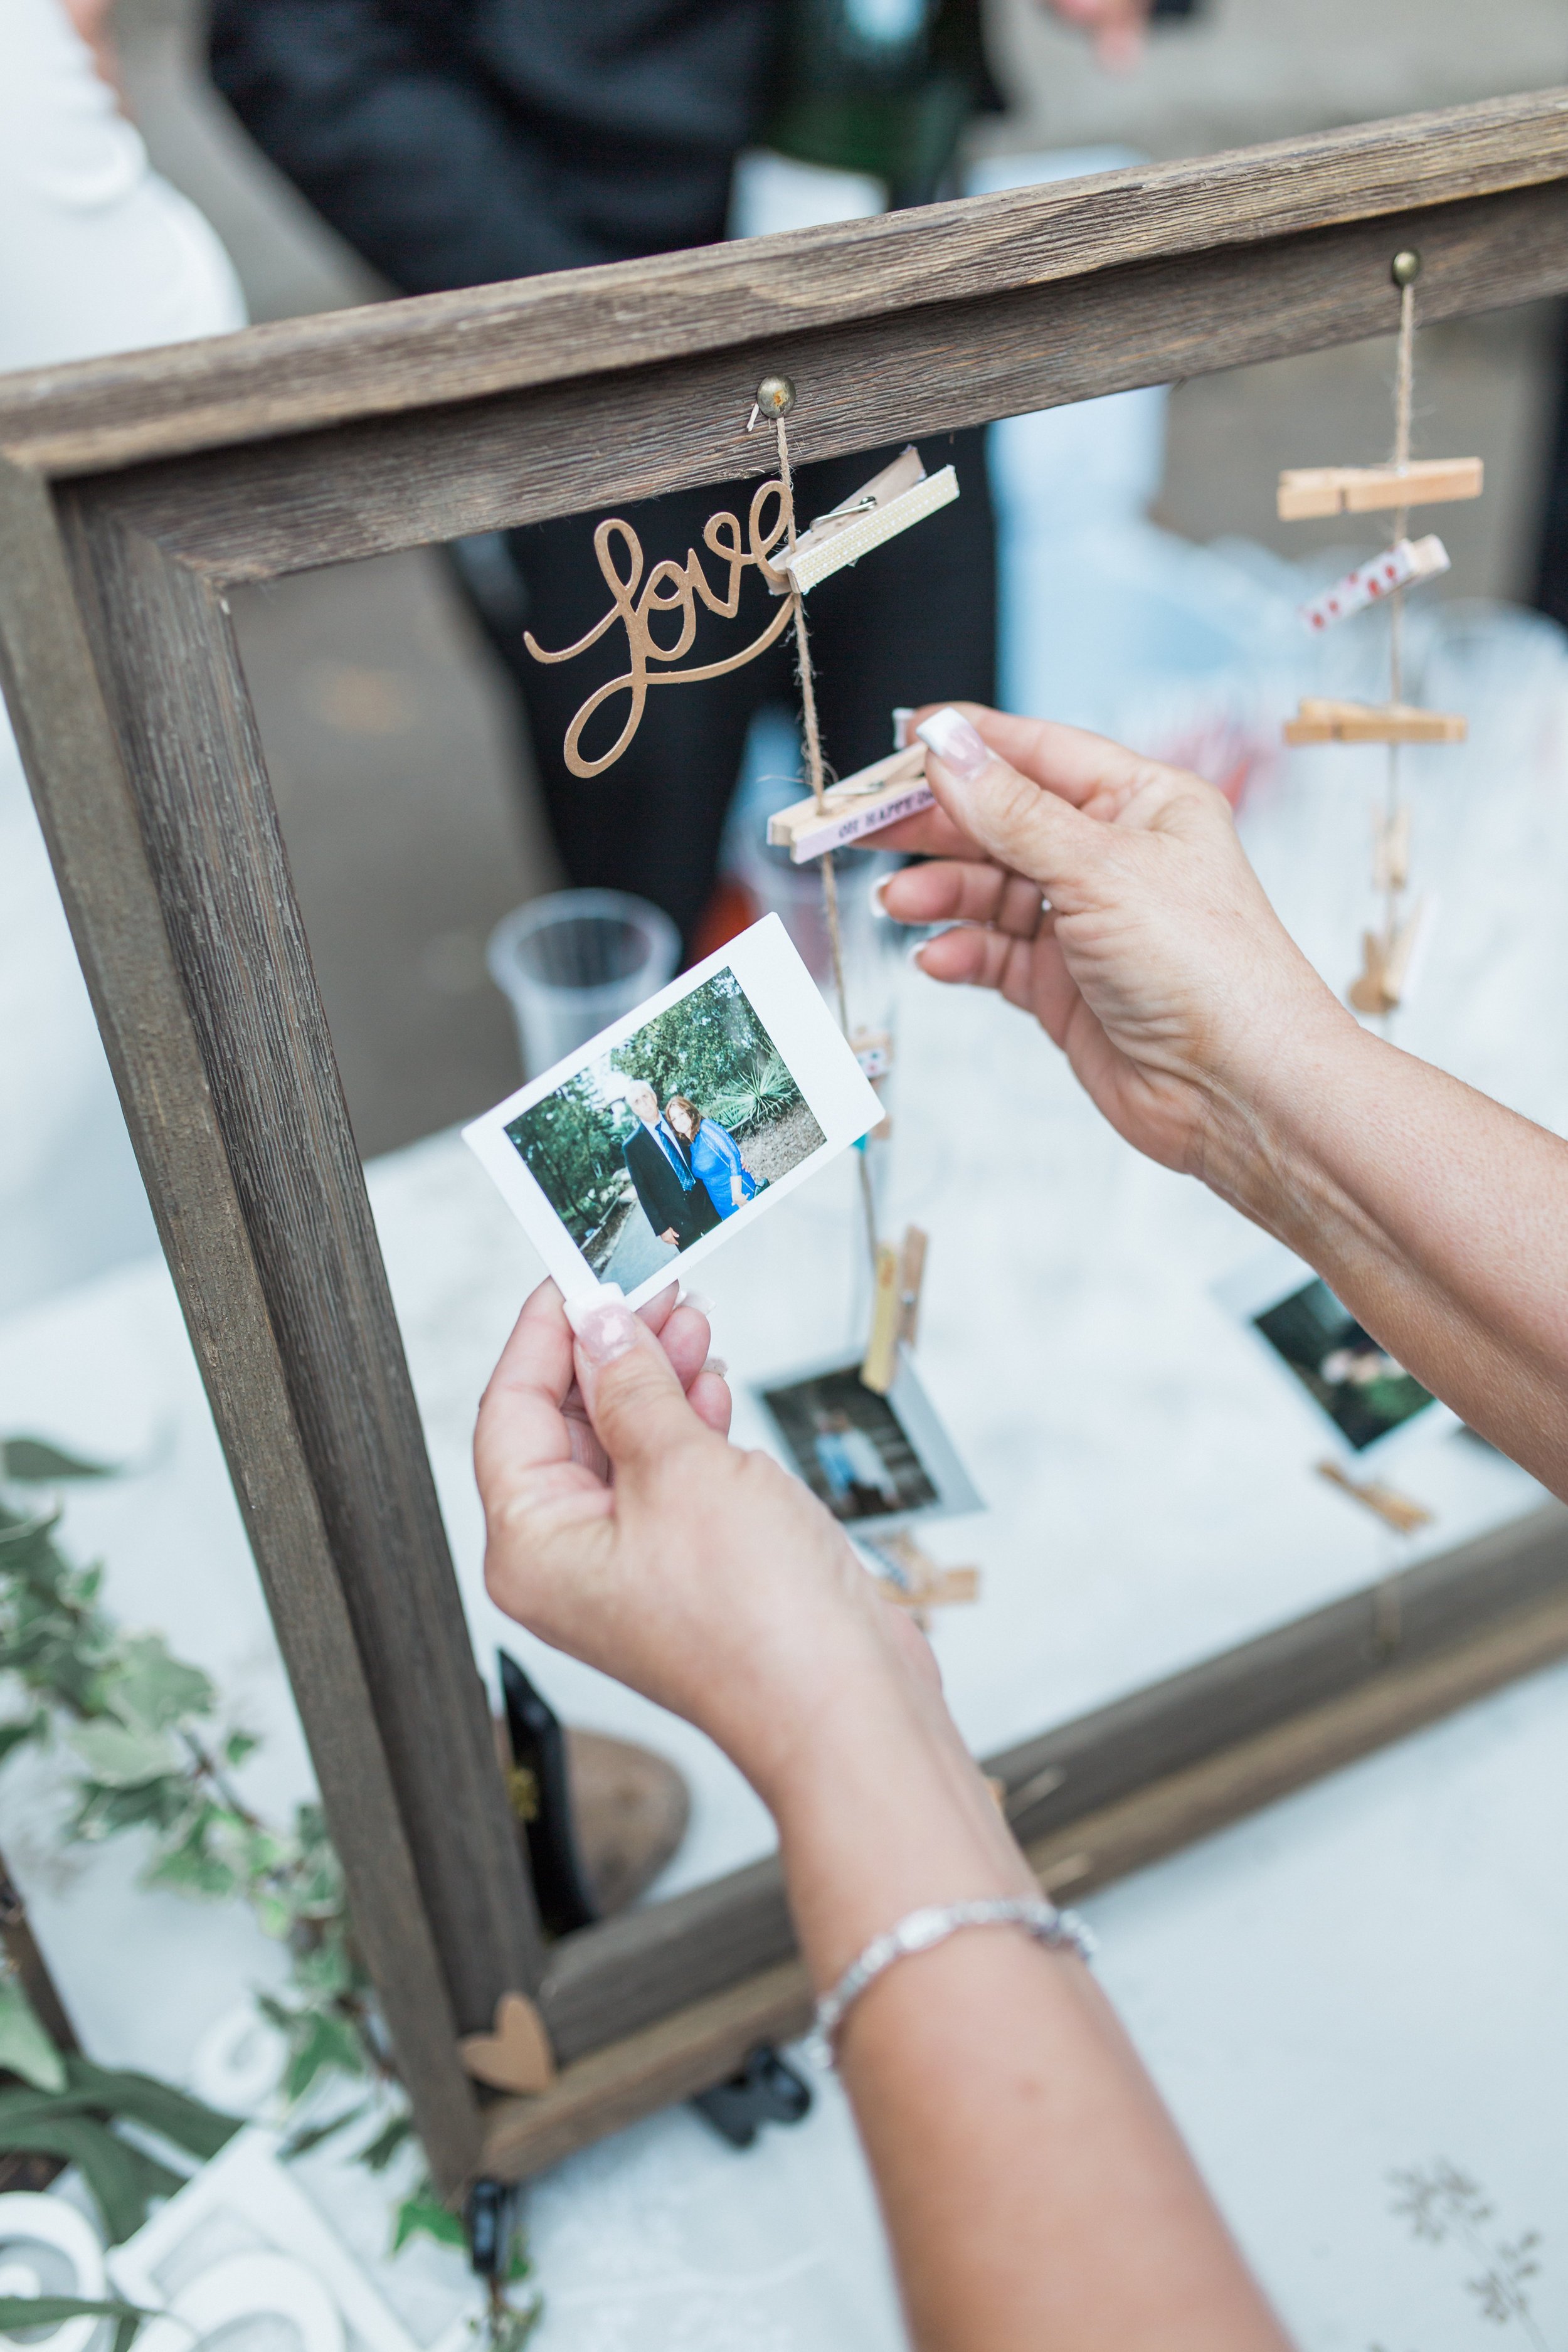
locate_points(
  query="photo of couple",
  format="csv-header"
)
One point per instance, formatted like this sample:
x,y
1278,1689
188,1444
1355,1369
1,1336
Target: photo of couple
x,y
656,1143
1364,1391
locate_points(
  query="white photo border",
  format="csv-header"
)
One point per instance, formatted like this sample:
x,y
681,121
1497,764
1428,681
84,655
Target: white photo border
x,y
789,1005
1267,1279
957,1493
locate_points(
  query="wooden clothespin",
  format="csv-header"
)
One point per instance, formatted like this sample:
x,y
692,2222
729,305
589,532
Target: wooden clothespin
x,y
1397,1511
1391,851
873,1049
895,1312
911,1273
917,1581
1361,489
1408,561
1320,721
901,494
864,802
1383,981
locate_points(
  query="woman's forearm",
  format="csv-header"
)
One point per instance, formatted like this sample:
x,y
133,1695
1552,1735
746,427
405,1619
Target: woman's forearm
x,y
1438,1218
1036,2193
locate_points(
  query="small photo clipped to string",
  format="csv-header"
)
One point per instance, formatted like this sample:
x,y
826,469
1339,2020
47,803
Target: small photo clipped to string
x,y
878,1462
684,1120
1353,1387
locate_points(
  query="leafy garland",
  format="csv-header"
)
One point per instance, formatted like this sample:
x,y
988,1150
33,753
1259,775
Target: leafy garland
x,y
150,1757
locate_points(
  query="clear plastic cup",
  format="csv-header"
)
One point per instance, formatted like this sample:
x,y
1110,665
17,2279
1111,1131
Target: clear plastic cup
x,y
571,963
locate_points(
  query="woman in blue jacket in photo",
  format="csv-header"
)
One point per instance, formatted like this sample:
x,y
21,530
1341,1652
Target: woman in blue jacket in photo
x,y
715,1155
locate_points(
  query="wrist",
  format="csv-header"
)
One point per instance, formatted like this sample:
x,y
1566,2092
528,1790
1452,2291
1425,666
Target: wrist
x,y
1270,1115
884,1813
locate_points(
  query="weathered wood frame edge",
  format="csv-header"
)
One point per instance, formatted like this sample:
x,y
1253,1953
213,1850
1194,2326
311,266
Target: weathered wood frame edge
x,y
131,494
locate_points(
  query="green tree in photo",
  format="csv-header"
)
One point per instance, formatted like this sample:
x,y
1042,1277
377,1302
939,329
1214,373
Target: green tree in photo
x,y
710,1047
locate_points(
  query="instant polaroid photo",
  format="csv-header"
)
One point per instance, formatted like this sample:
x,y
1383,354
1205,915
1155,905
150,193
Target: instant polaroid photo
x,y
878,1462
1371,1403
679,1124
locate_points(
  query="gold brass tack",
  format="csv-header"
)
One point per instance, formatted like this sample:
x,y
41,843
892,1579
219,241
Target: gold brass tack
x,y
1405,267
776,395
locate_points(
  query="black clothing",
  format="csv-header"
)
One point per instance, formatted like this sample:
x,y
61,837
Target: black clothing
x,y
660,1195
458,141
913,622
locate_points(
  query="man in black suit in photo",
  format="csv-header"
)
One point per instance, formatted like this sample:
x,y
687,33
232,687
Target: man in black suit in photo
x,y
676,1205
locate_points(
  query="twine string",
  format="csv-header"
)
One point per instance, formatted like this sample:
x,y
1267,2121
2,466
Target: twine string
x,y
1403,402
812,733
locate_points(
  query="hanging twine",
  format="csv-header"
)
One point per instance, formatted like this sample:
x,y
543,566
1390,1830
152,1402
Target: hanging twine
x,y
1403,402
814,767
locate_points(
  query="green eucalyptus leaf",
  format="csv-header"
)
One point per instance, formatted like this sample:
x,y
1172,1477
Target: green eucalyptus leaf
x,y
153,1689
34,1461
22,2311
510,2329
326,2043
379,2152
312,2136
121,2179
273,1915
190,1869
24,2048
141,2099
239,1745
119,1757
16,1735
422,2217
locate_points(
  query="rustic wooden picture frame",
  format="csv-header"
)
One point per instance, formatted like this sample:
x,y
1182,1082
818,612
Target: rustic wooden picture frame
x,y
134,491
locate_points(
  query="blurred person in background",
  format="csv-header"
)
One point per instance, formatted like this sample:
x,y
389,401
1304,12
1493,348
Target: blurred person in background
x,y
456,142
97,254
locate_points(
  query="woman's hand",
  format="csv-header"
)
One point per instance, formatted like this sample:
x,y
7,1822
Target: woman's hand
x,y
624,1528
1160,970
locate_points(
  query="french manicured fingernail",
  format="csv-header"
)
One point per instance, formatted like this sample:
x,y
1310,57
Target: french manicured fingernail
x,y
605,1326
950,735
698,1298
716,1364
879,904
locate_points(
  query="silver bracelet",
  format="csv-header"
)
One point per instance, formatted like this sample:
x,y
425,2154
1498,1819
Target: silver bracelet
x,y
920,1931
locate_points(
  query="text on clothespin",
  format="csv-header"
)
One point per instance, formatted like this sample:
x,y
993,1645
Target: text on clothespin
x,y
863,803
901,494
1364,490
1405,563
1320,721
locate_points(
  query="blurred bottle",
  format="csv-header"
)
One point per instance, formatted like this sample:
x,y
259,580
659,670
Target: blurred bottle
x,y
883,87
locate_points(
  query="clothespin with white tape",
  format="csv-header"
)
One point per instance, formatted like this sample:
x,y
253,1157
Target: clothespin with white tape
x,y
901,494
864,802
1405,563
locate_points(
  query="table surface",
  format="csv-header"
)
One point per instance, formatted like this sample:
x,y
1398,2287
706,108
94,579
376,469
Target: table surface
x,y
1360,1979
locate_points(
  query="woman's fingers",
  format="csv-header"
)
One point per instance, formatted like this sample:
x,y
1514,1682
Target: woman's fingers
x,y
1068,762
631,1390
686,1339
964,892
977,959
524,1441
709,1398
